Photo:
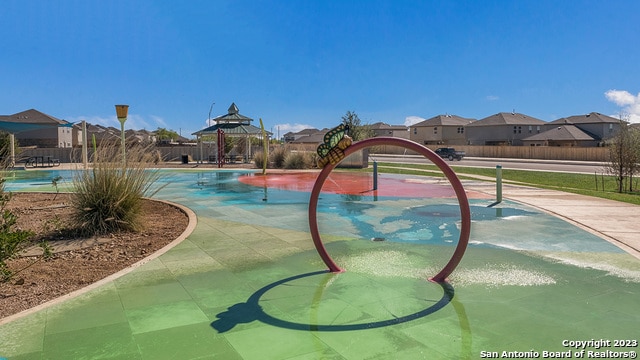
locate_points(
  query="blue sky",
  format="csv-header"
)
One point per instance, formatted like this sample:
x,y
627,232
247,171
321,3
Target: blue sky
x,y
304,63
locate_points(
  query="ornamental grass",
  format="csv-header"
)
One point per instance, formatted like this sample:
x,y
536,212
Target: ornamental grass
x,y
108,197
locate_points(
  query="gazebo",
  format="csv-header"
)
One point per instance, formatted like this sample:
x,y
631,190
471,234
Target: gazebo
x,y
233,124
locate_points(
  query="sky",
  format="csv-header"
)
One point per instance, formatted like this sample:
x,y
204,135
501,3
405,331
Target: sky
x,y
303,63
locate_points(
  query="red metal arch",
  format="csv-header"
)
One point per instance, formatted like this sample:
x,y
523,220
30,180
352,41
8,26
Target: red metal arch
x,y
463,202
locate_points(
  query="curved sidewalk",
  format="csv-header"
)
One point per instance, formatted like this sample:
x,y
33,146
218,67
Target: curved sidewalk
x,y
614,221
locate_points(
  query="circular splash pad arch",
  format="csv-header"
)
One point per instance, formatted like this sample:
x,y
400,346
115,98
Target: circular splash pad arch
x,y
463,202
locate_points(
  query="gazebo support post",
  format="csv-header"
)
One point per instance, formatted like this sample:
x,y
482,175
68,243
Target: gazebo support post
x,y
200,139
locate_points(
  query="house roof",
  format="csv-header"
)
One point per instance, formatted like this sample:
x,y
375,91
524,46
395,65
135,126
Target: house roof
x,y
562,133
507,119
29,120
301,133
589,118
314,138
444,120
385,126
307,131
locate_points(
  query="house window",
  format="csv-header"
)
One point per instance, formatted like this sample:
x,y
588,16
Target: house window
x,y
517,129
610,128
530,129
460,130
415,131
538,128
435,129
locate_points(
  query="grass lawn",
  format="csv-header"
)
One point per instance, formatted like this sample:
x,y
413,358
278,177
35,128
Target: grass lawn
x,y
584,184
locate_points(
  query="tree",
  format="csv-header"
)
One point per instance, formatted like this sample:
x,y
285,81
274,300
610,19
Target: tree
x,y
356,130
624,155
164,134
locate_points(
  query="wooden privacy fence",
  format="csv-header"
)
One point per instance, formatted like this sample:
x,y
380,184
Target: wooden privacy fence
x,y
175,153
600,154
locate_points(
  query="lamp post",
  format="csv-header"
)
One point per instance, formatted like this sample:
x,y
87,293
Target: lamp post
x,y
121,112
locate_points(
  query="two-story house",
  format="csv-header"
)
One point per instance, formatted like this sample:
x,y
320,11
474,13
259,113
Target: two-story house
x,y
440,130
384,129
503,129
34,128
601,127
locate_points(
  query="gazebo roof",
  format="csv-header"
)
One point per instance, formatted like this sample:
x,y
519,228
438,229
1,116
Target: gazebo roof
x,y
231,129
233,116
233,123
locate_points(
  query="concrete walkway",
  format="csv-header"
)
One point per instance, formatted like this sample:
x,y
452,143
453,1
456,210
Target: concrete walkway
x,y
611,220
614,221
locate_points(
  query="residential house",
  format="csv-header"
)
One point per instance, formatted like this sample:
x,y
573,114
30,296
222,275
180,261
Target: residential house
x,y
314,138
383,129
291,136
600,127
40,129
503,129
440,129
562,135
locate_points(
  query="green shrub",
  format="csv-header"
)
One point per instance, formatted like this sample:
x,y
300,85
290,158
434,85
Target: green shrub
x,y
259,159
277,157
108,197
313,159
296,160
11,242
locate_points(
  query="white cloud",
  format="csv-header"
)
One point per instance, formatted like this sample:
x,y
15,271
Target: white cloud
x,y
158,121
492,98
410,120
630,104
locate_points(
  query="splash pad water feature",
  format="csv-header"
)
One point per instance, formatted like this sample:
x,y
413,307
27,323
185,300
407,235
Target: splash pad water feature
x,y
528,282
463,202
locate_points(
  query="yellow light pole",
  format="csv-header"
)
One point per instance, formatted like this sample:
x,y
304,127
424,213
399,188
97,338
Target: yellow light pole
x,y
121,112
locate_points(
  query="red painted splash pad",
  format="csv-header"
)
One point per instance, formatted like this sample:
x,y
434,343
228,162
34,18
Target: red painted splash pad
x,y
353,183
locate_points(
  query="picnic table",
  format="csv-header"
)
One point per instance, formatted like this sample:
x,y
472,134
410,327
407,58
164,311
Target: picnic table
x,y
39,161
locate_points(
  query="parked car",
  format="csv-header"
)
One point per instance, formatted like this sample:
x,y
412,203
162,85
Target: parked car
x,y
450,153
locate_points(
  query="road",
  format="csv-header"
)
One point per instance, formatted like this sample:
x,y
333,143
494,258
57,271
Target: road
x,y
585,167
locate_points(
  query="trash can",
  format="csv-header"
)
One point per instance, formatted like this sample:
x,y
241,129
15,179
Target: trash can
x,y
185,159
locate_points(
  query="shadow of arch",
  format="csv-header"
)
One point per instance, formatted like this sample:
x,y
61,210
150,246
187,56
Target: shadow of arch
x,y
251,310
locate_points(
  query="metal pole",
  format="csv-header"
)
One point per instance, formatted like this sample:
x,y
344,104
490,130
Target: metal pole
x,y
121,113
498,183
12,145
122,141
375,175
85,148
